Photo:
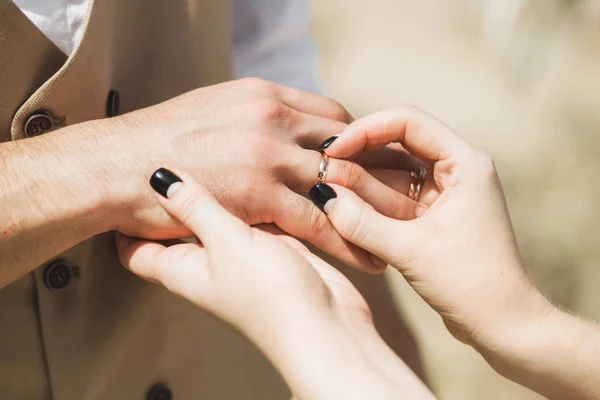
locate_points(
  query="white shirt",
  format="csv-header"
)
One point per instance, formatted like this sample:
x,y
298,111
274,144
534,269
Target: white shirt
x,y
271,37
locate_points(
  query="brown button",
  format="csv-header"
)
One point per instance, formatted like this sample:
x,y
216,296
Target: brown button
x,y
57,275
38,123
159,391
113,103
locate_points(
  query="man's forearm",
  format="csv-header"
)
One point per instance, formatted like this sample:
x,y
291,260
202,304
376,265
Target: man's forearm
x,y
557,357
53,196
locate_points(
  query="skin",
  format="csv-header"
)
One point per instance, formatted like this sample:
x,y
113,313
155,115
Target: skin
x,y
305,315
459,254
252,145
250,142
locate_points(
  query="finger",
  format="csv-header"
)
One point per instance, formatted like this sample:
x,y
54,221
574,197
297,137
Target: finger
x,y
299,217
310,130
400,182
300,100
186,200
170,266
418,132
392,156
359,223
292,242
139,256
386,200
270,228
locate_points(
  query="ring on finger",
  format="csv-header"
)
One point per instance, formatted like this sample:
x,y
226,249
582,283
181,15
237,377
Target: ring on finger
x,y
417,181
323,165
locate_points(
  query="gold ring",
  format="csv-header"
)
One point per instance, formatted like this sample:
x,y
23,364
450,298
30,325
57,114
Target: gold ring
x,y
417,181
323,168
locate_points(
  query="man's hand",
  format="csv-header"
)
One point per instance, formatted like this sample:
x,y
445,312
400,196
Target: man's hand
x,y
253,144
250,142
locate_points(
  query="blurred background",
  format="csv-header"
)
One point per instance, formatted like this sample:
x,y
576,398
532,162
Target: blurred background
x,y
518,78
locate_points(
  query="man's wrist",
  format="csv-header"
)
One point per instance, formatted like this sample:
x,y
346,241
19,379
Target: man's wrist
x,y
84,167
114,168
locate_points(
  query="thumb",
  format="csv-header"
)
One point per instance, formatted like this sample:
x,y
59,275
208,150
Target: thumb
x,y
359,223
190,203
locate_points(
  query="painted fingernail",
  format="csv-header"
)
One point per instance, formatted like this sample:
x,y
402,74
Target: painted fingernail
x,y
328,142
165,183
321,194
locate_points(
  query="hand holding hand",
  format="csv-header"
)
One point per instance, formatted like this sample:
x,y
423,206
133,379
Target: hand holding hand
x,y
253,278
253,145
301,312
460,254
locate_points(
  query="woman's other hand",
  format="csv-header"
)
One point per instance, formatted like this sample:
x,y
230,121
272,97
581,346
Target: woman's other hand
x,y
253,278
301,312
460,253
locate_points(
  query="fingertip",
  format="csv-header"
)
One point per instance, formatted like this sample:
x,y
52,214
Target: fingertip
x,y
328,142
336,145
123,241
321,194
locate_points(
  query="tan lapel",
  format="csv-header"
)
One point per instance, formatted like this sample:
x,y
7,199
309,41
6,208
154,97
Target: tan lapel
x,y
76,92
27,60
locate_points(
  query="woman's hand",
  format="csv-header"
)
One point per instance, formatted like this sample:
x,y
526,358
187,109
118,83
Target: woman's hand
x,y
301,312
250,277
460,254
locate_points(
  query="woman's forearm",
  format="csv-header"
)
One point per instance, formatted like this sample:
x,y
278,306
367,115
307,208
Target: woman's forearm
x,y
325,359
51,197
557,356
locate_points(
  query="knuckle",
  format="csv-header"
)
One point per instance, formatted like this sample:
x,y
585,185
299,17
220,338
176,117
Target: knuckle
x,y
487,165
483,164
267,110
256,84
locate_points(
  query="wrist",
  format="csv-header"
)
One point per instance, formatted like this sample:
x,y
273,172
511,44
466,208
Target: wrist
x,y
512,341
323,356
555,356
319,359
117,165
64,171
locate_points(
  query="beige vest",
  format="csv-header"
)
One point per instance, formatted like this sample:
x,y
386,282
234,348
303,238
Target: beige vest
x,y
108,334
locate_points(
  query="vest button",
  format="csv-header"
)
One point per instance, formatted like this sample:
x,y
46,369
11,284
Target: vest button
x,y
113,104
159,391
57,275
38,123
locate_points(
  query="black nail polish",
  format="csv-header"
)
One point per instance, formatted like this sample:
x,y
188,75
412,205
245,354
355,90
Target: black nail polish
x,y
320,194
327,143
162,179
